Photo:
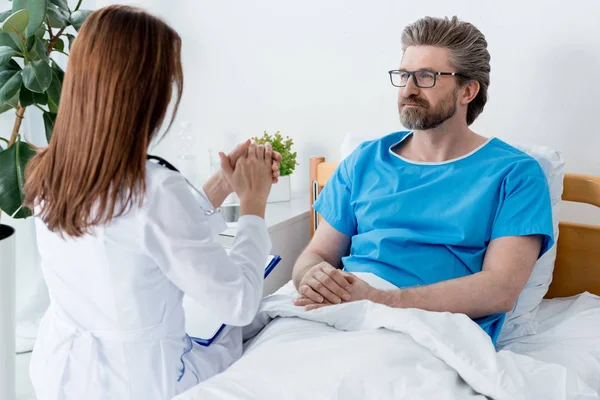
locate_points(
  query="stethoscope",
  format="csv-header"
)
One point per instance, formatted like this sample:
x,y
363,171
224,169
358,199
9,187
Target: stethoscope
x,y
168,165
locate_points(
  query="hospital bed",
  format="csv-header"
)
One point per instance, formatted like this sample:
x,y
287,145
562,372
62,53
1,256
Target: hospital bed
x,y
571,307
341,352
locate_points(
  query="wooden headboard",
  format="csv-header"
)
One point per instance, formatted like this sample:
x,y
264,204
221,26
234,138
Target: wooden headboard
x,y
577,267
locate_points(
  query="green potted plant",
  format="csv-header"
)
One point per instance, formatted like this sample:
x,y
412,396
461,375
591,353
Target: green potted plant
x,y
281,191
30,33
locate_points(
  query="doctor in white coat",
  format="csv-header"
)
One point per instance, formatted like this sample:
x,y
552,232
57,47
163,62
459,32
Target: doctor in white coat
x,y
122,239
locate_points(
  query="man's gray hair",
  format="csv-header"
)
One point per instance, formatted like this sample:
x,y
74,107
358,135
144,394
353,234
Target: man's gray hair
x,y
467,47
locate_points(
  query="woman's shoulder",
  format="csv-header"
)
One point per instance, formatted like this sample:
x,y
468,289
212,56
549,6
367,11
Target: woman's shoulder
x,y
158,177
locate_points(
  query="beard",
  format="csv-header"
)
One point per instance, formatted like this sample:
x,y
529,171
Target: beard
x,y
423,118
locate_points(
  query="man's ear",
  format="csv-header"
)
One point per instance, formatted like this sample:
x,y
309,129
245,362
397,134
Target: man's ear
x,y
470,89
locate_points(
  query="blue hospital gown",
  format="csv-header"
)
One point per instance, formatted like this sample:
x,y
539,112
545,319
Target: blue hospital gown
x,y
415,223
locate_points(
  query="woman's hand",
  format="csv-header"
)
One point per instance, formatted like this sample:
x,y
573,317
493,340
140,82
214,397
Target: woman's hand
x,y
252,177
241,150
219,185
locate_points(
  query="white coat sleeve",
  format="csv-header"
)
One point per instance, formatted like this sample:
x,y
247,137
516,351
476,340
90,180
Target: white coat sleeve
x,y
216,223
178,236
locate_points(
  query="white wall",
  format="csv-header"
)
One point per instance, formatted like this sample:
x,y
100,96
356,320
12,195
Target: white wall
x,y
316,70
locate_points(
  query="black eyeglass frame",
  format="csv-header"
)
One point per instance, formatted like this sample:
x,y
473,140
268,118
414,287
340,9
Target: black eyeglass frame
x,y
412,73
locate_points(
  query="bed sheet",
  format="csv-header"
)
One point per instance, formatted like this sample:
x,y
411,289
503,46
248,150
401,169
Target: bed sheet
x,y
568,334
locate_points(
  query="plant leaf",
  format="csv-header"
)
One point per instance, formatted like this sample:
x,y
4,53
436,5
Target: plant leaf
x,y
6,54
31,43
79,17
58,17
49,120
37,76
12,164
5,15
39,51
27,97
55,88
17,41
40,98
7,40
59,45
17,22
40,32
10,104
62,4
58,70
37,13
14,101
12,65
71,40
10,83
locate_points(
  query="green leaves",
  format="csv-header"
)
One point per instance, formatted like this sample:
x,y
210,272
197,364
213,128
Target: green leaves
x,y
7,40
71,40
55,88
38,52
59,45
284,147
6,54
5,15
37,76
12,103
49,120
58,17
40,32
10,77
17,22
62,4
79,17
12,164
37,13
10,83
27,97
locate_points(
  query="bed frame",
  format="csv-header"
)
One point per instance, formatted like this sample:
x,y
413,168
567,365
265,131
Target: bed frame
x,y
577,267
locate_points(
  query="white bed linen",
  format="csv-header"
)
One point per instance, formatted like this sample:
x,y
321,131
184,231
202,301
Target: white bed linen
x,y
568,333
368,351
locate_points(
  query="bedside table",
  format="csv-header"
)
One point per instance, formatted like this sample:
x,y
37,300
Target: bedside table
x,y
289,228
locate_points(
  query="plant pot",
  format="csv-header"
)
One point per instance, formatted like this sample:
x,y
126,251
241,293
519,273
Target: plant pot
x,y
281,191
32,299
7,312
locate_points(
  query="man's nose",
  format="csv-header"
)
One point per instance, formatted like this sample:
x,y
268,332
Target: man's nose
x,y
410,89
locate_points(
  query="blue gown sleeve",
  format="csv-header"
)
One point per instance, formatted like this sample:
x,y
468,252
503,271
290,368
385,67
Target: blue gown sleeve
x,y
335,201
525,206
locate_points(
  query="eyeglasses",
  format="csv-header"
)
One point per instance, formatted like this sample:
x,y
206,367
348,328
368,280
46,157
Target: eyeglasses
x,y
421,78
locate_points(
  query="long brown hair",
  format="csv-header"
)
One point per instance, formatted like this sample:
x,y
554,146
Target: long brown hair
x,y
115,95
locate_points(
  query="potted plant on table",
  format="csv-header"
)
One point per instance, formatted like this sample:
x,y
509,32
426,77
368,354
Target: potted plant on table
x,y
281,191
30,33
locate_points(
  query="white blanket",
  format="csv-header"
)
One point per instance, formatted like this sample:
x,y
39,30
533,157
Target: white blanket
x,y
363,350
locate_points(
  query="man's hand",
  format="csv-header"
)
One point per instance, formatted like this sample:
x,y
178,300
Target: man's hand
x,y
358,290
325,284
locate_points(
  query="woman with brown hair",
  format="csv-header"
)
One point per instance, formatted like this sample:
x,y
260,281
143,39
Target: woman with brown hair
x,y
122,239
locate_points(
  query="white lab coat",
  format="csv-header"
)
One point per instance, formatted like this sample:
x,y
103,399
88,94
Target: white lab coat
x,y
115,326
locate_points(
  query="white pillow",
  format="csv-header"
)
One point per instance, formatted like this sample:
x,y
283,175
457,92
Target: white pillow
x,y
521,321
